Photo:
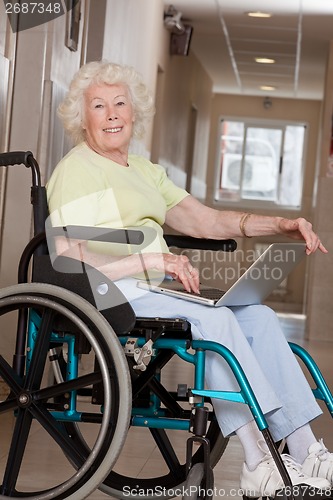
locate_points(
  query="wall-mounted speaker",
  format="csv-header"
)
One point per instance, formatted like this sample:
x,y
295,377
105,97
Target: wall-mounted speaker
x,y
180,43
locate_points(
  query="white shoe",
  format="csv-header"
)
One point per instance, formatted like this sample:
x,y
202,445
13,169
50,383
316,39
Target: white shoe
x,y
265,480
319,462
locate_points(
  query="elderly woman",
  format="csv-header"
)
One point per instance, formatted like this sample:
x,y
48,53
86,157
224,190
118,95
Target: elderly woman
x,y
99,183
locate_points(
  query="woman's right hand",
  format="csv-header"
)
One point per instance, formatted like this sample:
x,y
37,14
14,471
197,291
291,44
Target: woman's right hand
x,y
177,266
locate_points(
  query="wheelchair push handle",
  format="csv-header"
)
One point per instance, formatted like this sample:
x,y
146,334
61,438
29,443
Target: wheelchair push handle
x,y
22,157
15,158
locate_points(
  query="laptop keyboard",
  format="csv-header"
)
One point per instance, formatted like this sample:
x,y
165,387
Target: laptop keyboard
x,y
211,293
206,293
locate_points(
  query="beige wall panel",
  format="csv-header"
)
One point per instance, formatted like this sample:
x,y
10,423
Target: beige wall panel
x,y
187,85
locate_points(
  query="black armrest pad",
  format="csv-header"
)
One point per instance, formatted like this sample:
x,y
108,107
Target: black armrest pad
x,y
132,236
180,241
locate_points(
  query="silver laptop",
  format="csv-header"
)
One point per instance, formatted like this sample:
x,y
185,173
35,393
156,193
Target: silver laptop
x,y
252,287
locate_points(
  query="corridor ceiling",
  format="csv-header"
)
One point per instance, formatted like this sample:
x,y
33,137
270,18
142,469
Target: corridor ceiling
x,y
227,40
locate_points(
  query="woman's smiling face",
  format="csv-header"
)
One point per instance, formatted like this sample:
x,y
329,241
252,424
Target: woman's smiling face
x,y
108,119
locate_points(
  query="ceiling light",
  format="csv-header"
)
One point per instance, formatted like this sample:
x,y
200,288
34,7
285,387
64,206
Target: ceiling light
x,y
264,60
267,87
259,14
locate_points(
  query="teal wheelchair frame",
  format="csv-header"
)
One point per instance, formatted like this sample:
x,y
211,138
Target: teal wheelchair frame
x,y
120,389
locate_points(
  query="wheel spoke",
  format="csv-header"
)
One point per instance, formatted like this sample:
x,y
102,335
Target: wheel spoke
x,y
167,451
9,376
57,432
16,452
165,397
70,385
9,404
40,350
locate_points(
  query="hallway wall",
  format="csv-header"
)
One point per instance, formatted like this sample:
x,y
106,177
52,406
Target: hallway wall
x,y
7,56
187,86
41,58
320,292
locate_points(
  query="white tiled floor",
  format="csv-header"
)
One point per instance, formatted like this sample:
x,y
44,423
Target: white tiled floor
x,y
139,454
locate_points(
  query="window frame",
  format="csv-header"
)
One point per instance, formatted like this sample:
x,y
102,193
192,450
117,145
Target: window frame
x,y
245,203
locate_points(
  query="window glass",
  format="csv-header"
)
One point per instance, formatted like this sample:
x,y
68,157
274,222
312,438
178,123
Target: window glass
x,y
292,166
260,161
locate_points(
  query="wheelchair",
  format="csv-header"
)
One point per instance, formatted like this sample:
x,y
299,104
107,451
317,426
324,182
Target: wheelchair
x,y
84,379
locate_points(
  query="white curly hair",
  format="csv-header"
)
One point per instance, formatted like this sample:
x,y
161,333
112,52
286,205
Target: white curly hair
x,y
71,109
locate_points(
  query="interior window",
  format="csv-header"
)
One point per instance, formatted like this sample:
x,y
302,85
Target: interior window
x,y
260,161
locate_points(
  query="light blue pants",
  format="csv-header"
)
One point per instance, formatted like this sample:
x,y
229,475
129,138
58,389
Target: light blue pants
x,y
254,335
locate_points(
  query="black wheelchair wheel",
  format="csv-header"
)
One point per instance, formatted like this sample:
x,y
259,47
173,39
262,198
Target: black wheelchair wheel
x,y
34,411
167,479
163,482
196,486
193,482
165,460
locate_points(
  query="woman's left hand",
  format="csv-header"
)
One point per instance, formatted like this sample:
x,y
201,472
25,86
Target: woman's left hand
x,y
301,229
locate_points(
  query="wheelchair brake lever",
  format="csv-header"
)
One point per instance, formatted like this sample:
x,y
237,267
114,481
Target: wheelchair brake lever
x,y
142,355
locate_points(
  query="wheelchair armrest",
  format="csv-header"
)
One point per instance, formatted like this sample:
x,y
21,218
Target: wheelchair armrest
x,y
180,241
109,235
37,245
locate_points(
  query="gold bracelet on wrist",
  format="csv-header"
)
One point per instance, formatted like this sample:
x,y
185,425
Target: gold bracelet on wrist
x,y
242,223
